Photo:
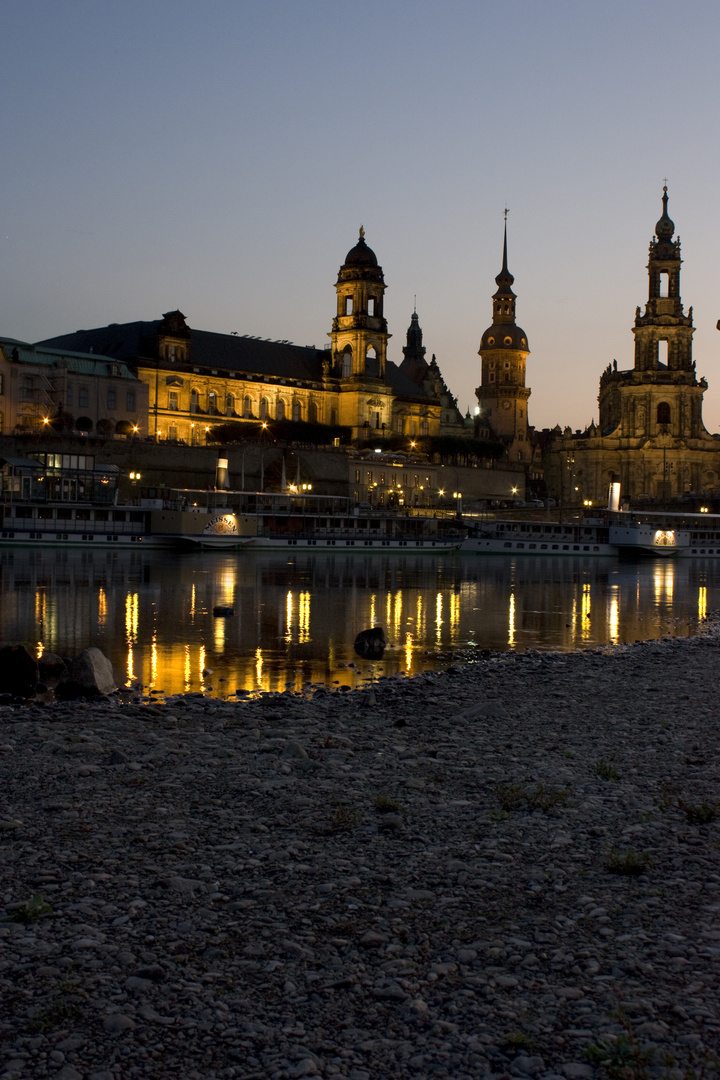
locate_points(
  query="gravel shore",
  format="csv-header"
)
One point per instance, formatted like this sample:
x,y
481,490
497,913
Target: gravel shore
x,y
508,869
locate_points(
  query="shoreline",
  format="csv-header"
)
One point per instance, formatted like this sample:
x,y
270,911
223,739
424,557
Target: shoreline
x,y
463,874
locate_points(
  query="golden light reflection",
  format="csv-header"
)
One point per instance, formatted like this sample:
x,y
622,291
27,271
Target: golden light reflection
x,y
454,614
585,605
258,666
130,663
219,635
397,613
153,661
702,602
187,669
132,607
192,602
102,608
373,600
438,617
614,615
40,649
288,616
388,610
511,621
201,663
408,650
664,581
40,606
420,618
304,618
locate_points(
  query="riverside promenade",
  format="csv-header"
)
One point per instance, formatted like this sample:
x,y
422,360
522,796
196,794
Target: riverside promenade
x,y
511,869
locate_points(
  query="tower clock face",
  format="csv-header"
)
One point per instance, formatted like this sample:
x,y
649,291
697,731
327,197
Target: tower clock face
x,y
506,405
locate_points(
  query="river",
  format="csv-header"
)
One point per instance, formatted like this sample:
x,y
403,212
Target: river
x,y
295,617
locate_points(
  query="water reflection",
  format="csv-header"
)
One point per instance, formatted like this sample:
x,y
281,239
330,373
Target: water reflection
x,y
295,619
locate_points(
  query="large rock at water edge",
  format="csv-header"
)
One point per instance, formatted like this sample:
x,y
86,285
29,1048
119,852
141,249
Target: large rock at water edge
x,y
370,642
18,671
90,675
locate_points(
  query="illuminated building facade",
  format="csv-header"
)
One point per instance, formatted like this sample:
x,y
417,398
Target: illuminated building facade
x,y
40,386
196,378
650,434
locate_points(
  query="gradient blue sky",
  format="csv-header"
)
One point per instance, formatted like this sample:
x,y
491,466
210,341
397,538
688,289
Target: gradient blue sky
x,y
219,157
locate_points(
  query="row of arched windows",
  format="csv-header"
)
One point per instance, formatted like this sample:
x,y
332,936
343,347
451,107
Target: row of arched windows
x,y
232,405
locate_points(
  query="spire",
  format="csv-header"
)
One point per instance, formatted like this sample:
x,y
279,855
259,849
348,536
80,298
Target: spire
x,y
504,280
665,227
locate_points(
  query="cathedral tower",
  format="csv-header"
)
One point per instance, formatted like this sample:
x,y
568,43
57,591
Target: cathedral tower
x,y
503,396
359,340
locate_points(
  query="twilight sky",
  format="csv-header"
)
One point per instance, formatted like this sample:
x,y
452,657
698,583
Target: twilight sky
x,y
219,157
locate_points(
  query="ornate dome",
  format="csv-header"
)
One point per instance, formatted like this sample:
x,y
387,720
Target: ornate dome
x,y
361,254
504,336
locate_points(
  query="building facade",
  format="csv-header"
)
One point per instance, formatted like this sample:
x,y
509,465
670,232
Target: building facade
x,y
44,387
198,379
650,436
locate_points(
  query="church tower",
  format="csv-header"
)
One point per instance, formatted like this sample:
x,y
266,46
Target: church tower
x,y
663,335
359,340
503,396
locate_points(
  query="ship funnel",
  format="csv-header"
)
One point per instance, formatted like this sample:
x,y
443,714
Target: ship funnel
x,y
614,496
222,480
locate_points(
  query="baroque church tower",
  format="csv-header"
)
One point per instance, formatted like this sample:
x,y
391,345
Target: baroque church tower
x,y
503,395
359,340
651,437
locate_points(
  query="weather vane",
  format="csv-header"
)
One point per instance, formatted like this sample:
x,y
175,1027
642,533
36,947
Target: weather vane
x,y
507,211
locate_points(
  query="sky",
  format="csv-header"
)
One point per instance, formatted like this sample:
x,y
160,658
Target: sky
x,y
219,156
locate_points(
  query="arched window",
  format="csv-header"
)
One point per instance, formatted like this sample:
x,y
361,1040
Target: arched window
x,y
247,407
347,362
663,413
297,410
263,408
229,404
371,363
212,401
280,409
194,401
313,413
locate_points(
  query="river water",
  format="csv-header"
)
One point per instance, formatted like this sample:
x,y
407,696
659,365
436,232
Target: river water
x,y
296,617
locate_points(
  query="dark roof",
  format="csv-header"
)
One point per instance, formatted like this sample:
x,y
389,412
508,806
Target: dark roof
x,y
77,361
135,342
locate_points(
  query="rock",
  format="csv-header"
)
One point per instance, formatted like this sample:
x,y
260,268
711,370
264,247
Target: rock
x,y
90,675
18,671
370,642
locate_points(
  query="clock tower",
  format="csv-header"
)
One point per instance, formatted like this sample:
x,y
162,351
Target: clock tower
x,y
502,395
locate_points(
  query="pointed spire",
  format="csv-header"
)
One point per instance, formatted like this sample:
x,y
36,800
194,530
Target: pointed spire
x,y
504,279
665,227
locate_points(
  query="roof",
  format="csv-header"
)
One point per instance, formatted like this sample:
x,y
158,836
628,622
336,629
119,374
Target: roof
x,y
79,363
134,343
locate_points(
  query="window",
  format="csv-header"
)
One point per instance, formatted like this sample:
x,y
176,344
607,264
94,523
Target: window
x,y
263,408
172,433
313,413
399,424
83,396
131,401
424,427
247,406
371,305
664,279
68,395
280,414
212,401
372,366
663,353
333,417
172,401
348,305
194,401
347,362
297,410
376,420
663,413
229,404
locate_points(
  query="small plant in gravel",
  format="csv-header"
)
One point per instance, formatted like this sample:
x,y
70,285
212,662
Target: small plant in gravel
x,y
548,798
628,863
700,813
510,796
343,820
385,805
606,770
518,1040
32,910
621,1058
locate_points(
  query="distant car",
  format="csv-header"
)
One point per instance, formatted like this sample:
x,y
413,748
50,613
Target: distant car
x,y
535,502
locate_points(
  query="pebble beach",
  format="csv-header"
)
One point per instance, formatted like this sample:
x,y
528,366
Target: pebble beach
x,y
509,869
